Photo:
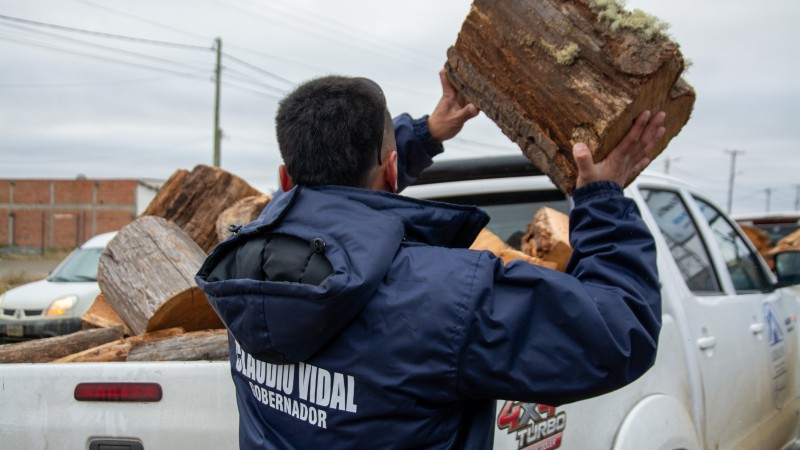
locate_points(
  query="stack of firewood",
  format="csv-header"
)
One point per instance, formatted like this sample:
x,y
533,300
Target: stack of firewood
x,y
763,244
150,308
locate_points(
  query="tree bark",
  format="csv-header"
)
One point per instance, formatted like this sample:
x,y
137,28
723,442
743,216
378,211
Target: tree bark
x,y
118,350
194,200
147,274
48,349
552,73
199,345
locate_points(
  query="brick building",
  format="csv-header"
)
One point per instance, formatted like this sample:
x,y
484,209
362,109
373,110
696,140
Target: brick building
x,y
38,214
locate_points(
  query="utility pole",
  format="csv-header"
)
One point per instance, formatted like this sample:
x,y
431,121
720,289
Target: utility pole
x,y
797,197
733,154
667,162
769,198
217,130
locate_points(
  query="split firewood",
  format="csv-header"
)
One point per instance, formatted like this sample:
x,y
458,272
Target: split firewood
x,y
761,241
242,212
146,273
487,240
199,345
788,242
194,200
102,315
547,237
48,349
551,73
118,350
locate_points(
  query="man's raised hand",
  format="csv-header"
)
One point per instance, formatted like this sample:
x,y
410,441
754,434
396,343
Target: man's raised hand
x,y
627,159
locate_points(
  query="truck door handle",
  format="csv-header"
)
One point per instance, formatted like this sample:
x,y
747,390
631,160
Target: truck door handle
x,y
707,342
757,328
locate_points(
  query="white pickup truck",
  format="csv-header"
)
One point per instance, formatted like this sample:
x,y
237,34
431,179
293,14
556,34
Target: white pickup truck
x,y
727,374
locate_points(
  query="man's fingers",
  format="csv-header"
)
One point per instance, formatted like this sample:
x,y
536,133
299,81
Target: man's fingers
x,y
654,129
640,166
583,157
636,131
447,89
468,112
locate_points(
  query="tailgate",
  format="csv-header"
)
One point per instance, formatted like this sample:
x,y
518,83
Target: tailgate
x,y
197,408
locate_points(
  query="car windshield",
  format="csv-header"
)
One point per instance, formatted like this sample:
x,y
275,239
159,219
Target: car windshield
x,y
80,265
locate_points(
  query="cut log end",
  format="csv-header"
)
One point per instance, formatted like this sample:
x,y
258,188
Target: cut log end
x,y
189,309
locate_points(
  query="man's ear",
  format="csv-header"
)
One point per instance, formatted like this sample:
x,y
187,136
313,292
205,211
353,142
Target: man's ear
x,y
286,180
390,174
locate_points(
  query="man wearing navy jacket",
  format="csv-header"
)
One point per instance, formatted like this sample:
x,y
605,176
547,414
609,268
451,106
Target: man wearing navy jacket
x,y
358,318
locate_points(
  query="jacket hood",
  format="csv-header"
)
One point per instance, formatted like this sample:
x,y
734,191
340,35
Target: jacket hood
x,y
361,231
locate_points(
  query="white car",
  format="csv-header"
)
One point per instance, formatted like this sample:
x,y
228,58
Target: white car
x,y
54,306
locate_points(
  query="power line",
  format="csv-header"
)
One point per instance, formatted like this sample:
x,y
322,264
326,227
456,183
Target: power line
x,y
113,49
255,91
233,72
308,31
80,83
340,28
259,69
246,79
141,19
102,58
105,35
188,33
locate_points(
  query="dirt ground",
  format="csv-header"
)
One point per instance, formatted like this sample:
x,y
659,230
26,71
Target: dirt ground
x,y
31,265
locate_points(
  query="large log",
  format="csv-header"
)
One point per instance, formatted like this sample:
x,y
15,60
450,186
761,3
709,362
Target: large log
x,y
195,199
547,237
199,345
48,349
552,73
487,240
118,350
242,212
146,273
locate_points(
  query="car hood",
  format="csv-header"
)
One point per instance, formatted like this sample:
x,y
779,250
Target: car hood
x,y
40,294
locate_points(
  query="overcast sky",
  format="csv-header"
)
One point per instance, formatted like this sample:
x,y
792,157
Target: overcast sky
x,y
82,103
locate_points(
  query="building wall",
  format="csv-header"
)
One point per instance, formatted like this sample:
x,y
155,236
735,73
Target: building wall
x,y
62,214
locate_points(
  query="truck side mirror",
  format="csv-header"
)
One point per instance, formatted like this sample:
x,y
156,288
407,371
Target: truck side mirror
x,y
787,267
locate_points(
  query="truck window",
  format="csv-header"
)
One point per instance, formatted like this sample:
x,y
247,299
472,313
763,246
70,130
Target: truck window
x,y
510,212
687,247
746,272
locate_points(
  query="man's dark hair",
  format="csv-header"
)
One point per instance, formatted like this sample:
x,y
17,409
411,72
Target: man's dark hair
x,y
330,131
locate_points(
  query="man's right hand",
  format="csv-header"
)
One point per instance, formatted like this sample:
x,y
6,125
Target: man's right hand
x,y
627,159
449,115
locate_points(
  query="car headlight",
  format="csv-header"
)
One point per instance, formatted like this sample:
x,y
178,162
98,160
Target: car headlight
x,y
62,305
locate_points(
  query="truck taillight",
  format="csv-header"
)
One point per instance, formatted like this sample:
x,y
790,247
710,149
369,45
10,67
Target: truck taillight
x,y
118,392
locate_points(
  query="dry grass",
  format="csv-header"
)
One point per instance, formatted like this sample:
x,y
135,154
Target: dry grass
x,y
15,279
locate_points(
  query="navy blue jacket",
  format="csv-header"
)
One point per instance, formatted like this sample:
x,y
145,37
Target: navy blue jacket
x,y
412,337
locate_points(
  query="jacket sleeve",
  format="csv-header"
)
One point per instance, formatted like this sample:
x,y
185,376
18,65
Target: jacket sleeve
x,y
415,148
537,335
